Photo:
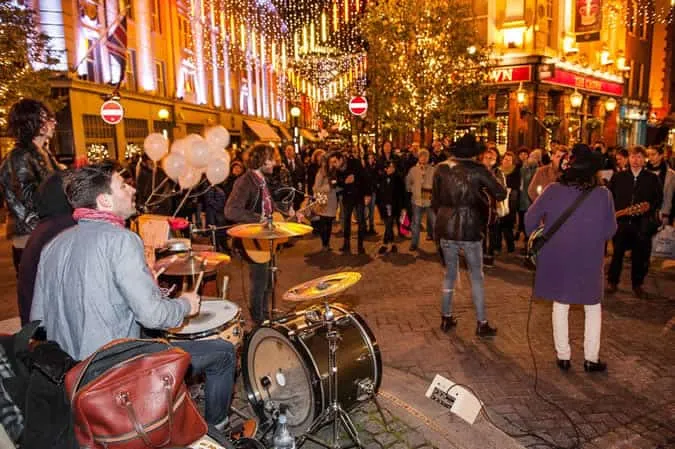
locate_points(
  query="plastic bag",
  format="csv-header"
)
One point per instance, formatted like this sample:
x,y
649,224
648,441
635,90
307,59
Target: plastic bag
x,y
663,244
404,225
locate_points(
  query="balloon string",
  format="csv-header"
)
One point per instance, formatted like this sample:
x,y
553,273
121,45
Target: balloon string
x,y
182,203
155,189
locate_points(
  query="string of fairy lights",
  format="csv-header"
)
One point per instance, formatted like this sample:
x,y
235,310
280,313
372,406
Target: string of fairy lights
x,y
308,48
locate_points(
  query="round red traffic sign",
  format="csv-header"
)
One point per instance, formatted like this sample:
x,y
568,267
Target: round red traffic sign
x,y
112,112
358,105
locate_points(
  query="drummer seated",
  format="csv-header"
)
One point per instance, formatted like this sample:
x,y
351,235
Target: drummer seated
x,y
93,286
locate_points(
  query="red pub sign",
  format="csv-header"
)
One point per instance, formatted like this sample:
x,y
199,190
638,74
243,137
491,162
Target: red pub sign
x,y
510,74
566,78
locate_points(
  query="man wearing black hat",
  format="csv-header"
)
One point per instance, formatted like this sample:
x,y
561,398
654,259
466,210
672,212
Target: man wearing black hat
x,y
460,205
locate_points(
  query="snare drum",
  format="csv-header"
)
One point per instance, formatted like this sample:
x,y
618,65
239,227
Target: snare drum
x,y
218,318
286,360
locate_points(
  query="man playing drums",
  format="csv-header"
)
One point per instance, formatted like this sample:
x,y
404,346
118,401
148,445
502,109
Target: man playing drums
x,y
93,286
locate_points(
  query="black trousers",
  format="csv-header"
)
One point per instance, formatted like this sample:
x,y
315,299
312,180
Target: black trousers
x,y
325,228
506,225
348,207
627,238
16,258
387,215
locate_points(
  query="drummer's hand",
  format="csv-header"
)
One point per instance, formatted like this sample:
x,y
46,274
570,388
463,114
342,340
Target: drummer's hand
x,y
195,301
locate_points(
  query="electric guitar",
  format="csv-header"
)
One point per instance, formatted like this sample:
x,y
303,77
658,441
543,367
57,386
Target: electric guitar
x,y
634,209
258,251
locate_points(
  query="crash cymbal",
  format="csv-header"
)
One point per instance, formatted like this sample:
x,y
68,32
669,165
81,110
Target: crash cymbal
x,y
261,231
190,264
322,287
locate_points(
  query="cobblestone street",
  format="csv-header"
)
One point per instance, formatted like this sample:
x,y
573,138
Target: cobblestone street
x,y
630,406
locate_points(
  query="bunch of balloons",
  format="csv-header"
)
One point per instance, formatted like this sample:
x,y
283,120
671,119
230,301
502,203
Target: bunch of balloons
x,y
192,156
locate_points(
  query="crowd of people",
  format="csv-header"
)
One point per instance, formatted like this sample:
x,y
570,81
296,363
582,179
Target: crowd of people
x,y
68,228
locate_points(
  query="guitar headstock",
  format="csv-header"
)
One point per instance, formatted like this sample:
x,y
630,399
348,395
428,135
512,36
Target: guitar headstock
x,y
638,209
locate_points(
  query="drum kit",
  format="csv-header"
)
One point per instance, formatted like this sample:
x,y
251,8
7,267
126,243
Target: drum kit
x,y
289,362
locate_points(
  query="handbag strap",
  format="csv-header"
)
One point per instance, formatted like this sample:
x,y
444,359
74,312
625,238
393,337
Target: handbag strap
x,y
565,215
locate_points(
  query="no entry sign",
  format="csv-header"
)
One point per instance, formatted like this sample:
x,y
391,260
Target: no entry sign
x,y
112,112
358,106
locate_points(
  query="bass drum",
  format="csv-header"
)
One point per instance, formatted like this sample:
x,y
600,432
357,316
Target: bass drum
x,y
286,361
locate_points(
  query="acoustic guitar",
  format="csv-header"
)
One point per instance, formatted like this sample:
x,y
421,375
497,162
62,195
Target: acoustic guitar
x,y
633,209
259,251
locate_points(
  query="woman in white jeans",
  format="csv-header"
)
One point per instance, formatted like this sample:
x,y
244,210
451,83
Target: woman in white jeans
x,y
570,266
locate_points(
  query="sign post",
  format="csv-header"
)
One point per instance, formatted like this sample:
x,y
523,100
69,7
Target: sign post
x,y
112,112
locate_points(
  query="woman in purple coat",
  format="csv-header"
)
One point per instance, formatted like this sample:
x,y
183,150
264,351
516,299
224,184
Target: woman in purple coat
x,y
570,266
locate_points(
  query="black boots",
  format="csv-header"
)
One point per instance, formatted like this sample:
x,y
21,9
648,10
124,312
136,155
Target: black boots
x,y
594,367
447,323
483,329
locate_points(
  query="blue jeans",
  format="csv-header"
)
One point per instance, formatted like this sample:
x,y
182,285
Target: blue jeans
x,y
217,361
473,253
417,212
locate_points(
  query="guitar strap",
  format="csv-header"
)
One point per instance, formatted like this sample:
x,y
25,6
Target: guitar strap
x,y
565,215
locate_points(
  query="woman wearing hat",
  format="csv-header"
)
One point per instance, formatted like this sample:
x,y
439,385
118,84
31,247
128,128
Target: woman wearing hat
x,y
570,266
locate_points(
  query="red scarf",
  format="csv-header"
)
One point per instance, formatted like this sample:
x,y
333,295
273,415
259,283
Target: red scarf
x,y
83,213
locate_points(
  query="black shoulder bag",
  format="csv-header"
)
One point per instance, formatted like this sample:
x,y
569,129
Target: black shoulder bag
x,y
538,238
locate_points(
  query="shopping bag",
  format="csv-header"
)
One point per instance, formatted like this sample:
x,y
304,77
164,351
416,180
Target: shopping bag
x,y
663,243
404,225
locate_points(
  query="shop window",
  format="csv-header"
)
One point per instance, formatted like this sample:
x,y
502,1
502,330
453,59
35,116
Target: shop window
x,y
130,81
550,41
163,127
155,16
193,128
160,78
92,62
99,138
127,5
135,128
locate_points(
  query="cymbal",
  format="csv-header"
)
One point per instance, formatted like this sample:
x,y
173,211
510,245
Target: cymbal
x,y
322,287
260,231
190,264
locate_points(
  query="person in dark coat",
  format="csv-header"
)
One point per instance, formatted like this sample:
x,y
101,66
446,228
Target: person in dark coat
x,y
460,207
507,223
630,188
371,169
296,169
356,188
570,266
390,191
56,215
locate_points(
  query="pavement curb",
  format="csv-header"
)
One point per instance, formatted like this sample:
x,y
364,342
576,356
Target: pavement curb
x,y
403,395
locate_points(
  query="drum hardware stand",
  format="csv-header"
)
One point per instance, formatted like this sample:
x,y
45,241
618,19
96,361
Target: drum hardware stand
x,y
366,388
273,271
334,413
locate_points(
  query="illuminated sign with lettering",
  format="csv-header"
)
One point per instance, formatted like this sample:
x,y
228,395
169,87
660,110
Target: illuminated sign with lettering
x,y
512,74
565,78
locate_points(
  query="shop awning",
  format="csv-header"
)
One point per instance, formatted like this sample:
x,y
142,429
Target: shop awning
x,y
264,131
308,135
284,132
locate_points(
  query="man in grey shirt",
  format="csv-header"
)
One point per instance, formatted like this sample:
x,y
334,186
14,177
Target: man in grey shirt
x,y
93,285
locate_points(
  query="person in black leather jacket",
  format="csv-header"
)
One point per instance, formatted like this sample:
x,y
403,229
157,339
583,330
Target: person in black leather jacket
x,y
461,209
29,163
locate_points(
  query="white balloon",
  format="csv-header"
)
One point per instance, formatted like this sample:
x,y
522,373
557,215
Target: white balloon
x,y
219,169
174,165
156,146
217,137
180,146
190,178
198,153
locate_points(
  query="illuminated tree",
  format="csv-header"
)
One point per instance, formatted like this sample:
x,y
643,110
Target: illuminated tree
x,y
426,62
21,43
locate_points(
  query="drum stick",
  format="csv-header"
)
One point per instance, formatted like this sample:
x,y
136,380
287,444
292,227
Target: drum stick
x,y
163,269
199,281
223,295
160,272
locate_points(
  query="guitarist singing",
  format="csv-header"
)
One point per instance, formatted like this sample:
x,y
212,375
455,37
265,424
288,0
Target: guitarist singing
x,y
629,188
251,202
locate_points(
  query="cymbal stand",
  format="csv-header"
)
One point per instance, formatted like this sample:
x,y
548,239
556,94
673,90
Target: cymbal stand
x,y
334,414
272,269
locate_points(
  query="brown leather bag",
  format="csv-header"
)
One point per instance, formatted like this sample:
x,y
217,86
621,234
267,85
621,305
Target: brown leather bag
x,y
130,394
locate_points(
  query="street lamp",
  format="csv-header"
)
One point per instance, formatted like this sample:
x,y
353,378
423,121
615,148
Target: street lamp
x,y
575,101
295,113
521,95
610,104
